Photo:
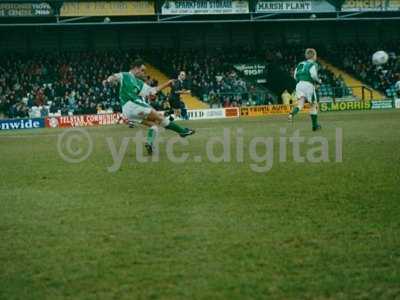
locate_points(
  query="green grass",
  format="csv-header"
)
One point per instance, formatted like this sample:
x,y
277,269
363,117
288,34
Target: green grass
x,y
206,230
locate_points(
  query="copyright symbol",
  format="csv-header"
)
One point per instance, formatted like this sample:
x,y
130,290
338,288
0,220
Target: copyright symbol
x,y
74,145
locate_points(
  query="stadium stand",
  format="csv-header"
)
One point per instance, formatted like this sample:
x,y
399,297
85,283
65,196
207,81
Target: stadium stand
x,y
63,82
189,100
71,82
211,75
356,59
289,57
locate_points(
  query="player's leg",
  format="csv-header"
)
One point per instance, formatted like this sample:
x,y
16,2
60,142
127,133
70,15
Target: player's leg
x,y
296,109
183,111
137,112
152,132
301,92
175,105
314,113
151,118
314,116
128,112
172,108
155,117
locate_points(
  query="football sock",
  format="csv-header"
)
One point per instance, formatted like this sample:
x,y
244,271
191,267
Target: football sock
x,y
175,127
171,125
151,134
314,121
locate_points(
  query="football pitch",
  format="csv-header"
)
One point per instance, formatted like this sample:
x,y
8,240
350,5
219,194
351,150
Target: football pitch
x,y
263,225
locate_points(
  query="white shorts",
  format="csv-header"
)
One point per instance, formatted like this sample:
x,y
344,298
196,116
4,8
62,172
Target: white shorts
x,y
136,111
307,90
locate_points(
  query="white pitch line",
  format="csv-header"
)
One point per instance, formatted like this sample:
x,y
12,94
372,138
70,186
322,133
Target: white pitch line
x,y
19,136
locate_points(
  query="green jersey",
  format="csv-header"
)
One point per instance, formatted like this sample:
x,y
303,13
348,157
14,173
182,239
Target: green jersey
x,y
130,89
303,71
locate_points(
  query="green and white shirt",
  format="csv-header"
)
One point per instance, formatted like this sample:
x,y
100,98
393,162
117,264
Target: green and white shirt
x,y
307,71
133,89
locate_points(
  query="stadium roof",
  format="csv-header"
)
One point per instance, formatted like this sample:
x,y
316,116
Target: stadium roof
x,y
153,13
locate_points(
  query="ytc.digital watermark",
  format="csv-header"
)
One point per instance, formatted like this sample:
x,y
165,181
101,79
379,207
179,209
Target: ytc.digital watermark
x,y
76,145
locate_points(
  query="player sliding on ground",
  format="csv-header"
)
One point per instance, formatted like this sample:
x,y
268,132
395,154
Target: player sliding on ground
x,y
306,75
132,90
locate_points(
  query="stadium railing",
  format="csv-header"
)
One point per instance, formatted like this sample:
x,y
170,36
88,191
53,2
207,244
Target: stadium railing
x,y
352,93
238,98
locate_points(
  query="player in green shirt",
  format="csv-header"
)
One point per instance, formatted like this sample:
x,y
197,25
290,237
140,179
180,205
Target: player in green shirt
x,y
132,90
306,75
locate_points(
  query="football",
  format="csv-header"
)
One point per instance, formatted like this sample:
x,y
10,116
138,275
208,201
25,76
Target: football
x,y
380,58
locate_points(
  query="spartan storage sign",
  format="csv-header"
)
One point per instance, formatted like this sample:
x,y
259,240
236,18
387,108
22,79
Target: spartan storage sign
x,y
21,124
204,7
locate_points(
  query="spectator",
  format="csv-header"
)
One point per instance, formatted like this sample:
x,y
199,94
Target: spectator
x,y
71,82
356,59
286,97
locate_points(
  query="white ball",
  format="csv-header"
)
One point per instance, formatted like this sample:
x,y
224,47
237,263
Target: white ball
x,y
380,58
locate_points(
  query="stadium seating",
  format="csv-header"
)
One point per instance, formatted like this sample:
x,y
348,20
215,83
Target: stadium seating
x,y
189,100
72,82
211,74
356,59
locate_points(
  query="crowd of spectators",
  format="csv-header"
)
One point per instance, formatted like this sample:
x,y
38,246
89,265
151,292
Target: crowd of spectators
x,y
211,76
59,82
357,60
290,56
71,82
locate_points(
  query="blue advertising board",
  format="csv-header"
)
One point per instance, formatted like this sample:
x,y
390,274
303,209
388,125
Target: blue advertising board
x,y
13,124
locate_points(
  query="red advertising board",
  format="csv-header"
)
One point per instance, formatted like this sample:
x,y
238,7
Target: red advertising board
x,y
232,112
84,120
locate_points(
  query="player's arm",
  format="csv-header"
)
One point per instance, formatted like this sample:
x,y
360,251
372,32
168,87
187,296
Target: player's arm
x,y
314,74
148,90
113,79
295,74
164,85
